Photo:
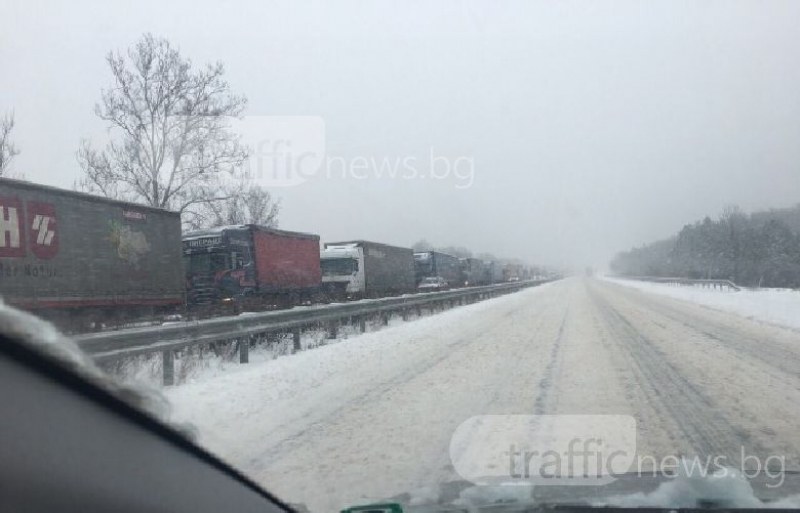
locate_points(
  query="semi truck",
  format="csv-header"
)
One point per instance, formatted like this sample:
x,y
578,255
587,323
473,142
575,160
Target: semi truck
x,y
495,271
81,260
363,269
251,267
434,263
475,271
512,272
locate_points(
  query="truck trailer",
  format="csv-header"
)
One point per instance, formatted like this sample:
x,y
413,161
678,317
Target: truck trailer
x,y
81,260
358,269
250,267
433,263
476,272
513,272
495,271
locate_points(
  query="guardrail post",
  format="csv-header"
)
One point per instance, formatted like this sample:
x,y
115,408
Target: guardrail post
x,y
333,329
244,350
385,319
296,339
404,313
419,311
168,367
362,324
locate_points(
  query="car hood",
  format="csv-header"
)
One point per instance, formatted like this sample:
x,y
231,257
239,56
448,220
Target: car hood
x,y
628,491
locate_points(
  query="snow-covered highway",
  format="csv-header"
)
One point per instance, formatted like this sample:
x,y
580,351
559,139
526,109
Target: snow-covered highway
x,y
375,413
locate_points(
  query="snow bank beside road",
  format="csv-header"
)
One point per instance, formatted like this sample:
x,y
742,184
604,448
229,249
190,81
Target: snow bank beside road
x,y
277,398
775,306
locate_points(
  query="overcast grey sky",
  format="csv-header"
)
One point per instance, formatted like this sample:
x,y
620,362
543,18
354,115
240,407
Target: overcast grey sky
x,y
592,126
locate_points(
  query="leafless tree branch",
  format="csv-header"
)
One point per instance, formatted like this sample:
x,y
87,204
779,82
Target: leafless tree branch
x,y
241,202
7,149
170,138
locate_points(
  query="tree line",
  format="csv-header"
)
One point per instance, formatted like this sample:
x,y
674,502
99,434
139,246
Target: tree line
x,y
755,250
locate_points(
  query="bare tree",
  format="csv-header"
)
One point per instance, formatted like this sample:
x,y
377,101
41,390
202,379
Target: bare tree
x,y
7,149
244,203
170,140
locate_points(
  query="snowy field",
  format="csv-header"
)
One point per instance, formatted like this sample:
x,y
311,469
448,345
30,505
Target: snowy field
x,y
775,306
372,416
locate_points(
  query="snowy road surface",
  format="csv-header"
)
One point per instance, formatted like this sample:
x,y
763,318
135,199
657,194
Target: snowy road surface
x,y
372,416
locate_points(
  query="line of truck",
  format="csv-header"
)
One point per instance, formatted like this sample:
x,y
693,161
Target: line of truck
x,y
82,260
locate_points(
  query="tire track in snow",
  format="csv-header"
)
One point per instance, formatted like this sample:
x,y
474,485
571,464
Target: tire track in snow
x,y
376,395
398,440
550,371
762,348
501,397
707,429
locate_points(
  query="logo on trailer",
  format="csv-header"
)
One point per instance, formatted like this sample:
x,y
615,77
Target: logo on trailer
x,y
44,237
39,224
204,242
12,236
134,215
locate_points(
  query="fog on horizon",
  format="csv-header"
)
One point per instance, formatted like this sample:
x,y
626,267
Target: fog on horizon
x,y
589,127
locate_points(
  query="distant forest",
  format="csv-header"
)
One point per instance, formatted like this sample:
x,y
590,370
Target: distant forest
x,y
761,249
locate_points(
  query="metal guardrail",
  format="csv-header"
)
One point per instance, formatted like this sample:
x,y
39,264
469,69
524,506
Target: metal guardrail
x,y
720,284
117,345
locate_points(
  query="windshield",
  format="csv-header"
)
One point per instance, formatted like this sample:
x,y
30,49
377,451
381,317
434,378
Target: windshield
x,y
338,266
421,252
206,262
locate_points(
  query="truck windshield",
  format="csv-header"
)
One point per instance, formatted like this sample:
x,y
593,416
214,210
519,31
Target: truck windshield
x,y
338,266
423,265
407,257
206,262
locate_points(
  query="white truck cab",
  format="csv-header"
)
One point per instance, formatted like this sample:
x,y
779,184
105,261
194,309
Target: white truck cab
x,y
343,270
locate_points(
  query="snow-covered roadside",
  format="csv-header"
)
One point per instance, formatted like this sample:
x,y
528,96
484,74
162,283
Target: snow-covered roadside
x,y
204,363
774,306
372,416
309,384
